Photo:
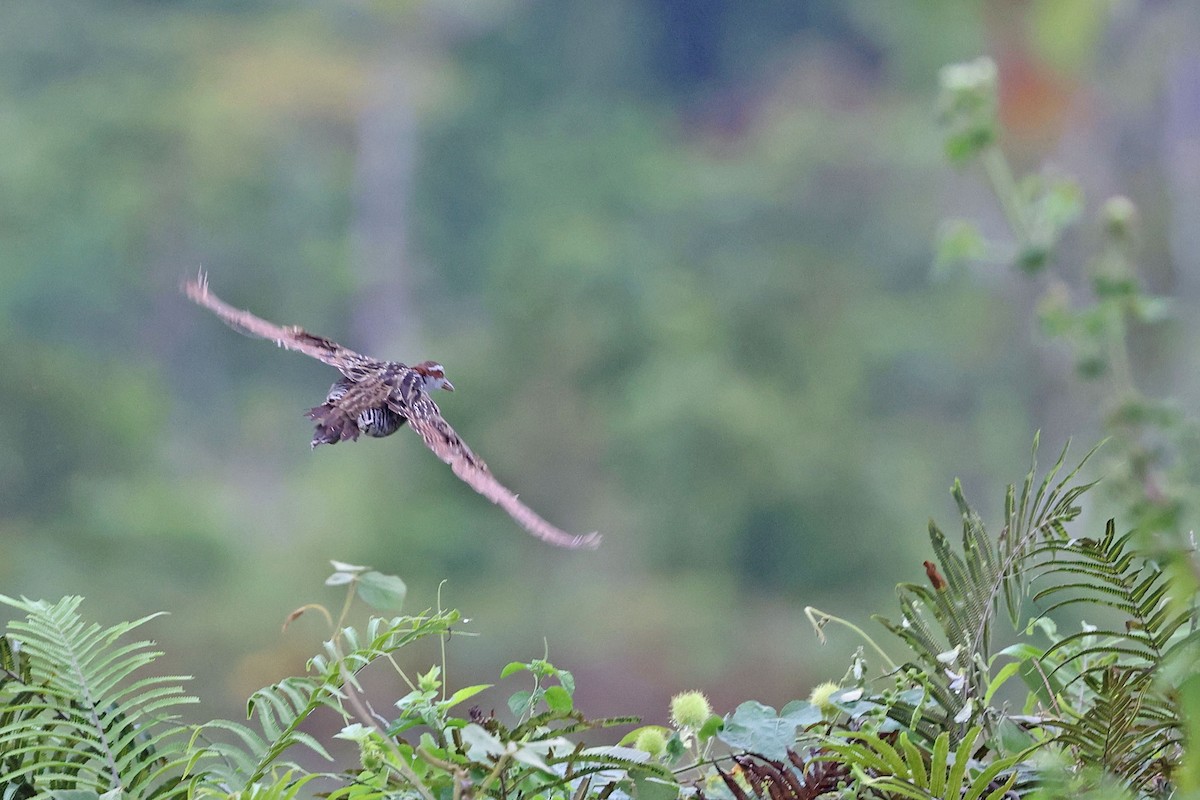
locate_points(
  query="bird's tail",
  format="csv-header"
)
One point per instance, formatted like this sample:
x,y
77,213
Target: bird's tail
x,y
333,425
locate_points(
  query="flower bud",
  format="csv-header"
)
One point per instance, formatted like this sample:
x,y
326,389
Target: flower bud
x,y
372,756
429,681
967,103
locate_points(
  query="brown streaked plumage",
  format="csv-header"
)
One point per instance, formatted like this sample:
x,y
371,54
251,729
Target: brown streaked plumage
x,y
376,398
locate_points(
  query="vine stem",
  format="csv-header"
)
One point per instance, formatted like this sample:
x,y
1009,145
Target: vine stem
x,y
819,618
1005,186
336,633
398,763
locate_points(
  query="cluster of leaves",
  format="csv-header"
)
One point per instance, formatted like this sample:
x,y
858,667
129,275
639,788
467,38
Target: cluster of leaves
x,y
1114,693
1154,453
1104,696
80,719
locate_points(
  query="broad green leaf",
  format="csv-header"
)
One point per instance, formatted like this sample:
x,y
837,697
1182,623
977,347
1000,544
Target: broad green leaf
x,y
1006,672
651,787
558,698
758,729
1023,651
466,693
511,668
518,704
802,712
712,726
382,592
1011,737
675,748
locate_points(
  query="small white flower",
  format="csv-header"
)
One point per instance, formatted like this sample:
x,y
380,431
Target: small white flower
x,y
965,714
950,656
958,683
851,696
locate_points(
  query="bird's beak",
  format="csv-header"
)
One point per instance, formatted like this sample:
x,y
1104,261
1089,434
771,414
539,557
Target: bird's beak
x,y
448,386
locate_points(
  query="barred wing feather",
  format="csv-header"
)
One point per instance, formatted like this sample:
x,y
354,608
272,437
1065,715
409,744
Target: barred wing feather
x,y
290,337
425,418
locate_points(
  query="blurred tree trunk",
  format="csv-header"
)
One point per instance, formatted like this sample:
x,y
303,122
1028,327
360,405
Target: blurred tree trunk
x,y
385,319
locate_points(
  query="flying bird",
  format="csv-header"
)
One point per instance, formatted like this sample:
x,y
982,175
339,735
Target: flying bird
x,y
377,398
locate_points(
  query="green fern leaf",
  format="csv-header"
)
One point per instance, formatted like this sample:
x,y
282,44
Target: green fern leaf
x,y
1122,718
282,708
74,718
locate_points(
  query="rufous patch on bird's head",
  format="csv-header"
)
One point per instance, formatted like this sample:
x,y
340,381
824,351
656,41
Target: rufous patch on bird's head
x,y
434,375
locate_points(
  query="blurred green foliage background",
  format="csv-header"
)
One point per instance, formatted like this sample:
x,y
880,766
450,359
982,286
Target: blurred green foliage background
x,y
676,257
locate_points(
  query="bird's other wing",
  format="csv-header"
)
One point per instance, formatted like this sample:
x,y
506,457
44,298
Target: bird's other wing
x,y
425,418
291,337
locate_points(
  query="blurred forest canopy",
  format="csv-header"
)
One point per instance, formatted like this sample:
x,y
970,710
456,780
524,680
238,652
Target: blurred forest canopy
x,y
675,255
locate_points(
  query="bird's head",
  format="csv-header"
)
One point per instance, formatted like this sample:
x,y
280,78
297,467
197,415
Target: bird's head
x,y
433,375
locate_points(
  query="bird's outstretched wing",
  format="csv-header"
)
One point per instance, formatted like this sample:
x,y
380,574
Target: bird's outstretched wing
x,y
291,337
426,419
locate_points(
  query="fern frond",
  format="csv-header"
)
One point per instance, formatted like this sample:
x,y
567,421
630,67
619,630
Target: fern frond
x,y
1038,516
282,708
949,626
71,714
1120,580
1127,728
907,770
1121,717
282,787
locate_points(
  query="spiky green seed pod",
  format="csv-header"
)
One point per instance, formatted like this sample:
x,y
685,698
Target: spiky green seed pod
x,y
651,741
690,710
822,696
